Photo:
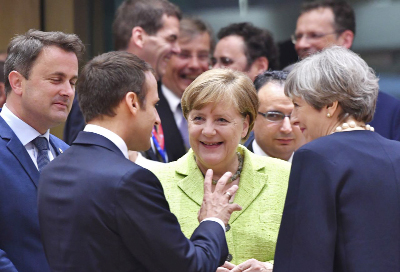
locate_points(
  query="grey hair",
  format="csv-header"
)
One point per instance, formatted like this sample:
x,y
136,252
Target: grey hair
x,y
336,74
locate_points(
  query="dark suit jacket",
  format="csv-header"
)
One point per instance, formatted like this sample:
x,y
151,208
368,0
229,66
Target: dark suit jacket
x,y
20,245
98,211
173,140
342,211
387,116
249,142
75,122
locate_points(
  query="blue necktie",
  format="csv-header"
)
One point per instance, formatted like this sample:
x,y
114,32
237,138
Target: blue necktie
x,y
42,145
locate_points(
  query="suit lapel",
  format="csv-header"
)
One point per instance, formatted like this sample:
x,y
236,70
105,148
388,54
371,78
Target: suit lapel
x,y
190,184
15,146
252,182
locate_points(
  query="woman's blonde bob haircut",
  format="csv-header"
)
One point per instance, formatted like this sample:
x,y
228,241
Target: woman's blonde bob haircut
x,y
336,74
222,86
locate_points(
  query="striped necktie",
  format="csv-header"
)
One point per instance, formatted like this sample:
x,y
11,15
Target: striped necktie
x,y
42,146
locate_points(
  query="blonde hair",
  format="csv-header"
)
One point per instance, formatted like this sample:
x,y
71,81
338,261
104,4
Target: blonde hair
x,y
222,85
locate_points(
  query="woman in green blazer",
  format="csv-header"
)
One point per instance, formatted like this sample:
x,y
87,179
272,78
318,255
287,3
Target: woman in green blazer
x,y
221,106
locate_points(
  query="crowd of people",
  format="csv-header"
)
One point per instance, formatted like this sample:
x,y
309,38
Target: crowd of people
x,y
186,154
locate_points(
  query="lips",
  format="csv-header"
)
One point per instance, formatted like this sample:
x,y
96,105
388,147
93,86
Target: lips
x,y
285,141
189,77
211,144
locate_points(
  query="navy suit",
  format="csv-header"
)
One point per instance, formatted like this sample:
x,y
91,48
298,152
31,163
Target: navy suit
x,y
75,123
342,210
249,142
20,245
98,211
387,116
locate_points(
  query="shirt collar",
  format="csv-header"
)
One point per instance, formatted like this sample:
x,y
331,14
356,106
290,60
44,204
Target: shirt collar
x,y
257,150
113,137
24,132
172,99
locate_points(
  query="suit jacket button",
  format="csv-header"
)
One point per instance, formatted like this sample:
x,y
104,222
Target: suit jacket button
x,y
229,257
227,227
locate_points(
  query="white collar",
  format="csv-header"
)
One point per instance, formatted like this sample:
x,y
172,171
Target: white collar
x,y
257,150
112,136
24,132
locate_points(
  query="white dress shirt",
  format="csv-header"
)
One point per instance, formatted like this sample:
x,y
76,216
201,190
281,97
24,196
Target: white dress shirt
x,y
257,150
26,134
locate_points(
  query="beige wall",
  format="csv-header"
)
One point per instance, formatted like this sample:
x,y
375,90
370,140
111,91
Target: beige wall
x,y
18,16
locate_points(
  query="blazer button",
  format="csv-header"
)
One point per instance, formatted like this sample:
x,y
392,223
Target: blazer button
x,y
229,257
227,227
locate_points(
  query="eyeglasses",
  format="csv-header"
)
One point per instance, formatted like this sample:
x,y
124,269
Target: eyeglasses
x,y
274,116
311,36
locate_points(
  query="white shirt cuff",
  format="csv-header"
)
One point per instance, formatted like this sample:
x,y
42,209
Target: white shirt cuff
x,y
217,220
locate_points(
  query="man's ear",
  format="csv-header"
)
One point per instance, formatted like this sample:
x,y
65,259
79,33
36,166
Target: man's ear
x,y
16,82
132,102
138,36
260,65
346,39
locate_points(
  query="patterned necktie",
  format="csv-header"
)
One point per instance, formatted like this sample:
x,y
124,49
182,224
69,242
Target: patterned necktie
x,y
42,146
183,128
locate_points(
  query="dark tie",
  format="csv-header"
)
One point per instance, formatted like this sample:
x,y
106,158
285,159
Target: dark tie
x,y
183,128
42,145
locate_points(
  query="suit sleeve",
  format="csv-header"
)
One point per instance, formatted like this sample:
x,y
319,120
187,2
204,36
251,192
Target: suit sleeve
x,y
153,235
306,240
5,264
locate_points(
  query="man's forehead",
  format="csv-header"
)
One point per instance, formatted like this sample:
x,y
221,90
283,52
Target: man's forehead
x,y
316,19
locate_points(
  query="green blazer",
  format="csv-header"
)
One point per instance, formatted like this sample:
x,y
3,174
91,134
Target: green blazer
x,y
262,190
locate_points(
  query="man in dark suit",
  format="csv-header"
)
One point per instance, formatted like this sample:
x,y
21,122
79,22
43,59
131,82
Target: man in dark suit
x,y
195,41
147,28
98,211
328,22
41,69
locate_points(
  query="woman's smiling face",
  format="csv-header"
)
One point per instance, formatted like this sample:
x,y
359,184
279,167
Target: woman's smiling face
x,y
215,132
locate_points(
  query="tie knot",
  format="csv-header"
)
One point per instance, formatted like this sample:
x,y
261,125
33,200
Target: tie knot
x,y
41,143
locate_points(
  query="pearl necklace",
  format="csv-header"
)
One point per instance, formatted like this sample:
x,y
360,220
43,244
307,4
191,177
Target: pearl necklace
x,y
352,125
238,172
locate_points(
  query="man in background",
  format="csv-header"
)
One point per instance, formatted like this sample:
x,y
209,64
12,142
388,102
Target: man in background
x,y
146,28
274,135
332,22
41,70
195,41
246,48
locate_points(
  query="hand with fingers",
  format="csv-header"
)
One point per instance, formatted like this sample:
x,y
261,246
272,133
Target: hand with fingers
x,y
253,265
216,204
226,267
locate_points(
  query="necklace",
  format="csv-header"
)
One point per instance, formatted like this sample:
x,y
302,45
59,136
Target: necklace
x,y
238,172
352,125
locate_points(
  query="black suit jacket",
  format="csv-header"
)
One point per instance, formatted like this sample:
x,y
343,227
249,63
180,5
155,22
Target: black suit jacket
x,y
173,140
98,211
75,122
342,210
387,116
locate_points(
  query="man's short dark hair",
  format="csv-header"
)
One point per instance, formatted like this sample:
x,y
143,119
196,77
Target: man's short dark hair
x,y
191,27
259,42
144,13
106,79
23,50
343,13
278,77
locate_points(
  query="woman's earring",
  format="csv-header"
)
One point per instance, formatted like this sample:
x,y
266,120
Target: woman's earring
x,y
328,115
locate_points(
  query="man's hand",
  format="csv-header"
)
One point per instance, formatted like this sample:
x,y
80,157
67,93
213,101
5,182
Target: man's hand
x,y
216,204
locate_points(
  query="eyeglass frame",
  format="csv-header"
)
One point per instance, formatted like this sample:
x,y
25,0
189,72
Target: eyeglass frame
x,y
315,36
275,112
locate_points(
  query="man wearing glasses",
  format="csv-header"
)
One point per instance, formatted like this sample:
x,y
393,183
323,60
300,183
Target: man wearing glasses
x,y
274,135
332,22
322,24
